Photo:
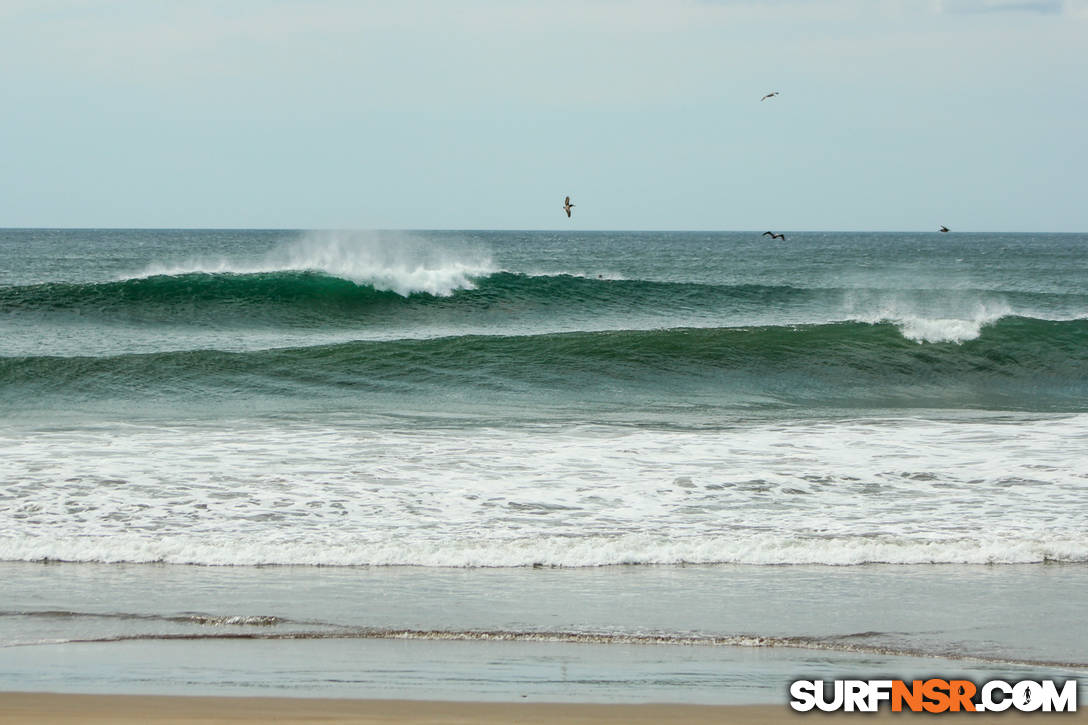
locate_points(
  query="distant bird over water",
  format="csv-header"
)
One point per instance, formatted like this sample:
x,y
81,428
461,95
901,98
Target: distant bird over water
x,y
772,235
567,206
944,228
772,94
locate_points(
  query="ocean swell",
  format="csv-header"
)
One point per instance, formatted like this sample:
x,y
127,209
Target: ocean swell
x,y
459,295
1017,363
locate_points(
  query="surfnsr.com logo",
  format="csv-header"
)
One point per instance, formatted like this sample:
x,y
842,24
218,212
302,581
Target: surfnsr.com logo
x,y
933,695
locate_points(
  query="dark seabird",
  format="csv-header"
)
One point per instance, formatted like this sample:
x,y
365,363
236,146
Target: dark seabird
x,y
567,206
944,228
769,95
772,235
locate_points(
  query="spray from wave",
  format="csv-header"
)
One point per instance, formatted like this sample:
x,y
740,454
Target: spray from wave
x,y
948,317
388,261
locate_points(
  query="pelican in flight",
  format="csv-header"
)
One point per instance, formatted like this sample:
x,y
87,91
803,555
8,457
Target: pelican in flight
x,y
772,94
567,206
772,235
943,228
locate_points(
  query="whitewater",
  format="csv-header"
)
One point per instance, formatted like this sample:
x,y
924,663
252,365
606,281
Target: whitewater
x,y
319,443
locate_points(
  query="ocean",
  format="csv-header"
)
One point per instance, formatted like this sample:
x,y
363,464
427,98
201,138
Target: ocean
x,y
593,466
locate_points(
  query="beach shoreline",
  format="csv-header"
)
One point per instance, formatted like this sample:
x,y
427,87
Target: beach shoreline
x,y
17,708
519,467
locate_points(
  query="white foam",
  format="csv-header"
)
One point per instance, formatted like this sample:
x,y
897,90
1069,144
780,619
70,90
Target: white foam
x,y
985,490
949,317
393,261
557,551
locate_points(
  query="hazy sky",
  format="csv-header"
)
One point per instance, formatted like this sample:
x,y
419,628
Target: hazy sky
x,y
484,114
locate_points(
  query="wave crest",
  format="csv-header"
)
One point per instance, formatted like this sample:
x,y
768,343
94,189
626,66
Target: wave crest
x,y
388,261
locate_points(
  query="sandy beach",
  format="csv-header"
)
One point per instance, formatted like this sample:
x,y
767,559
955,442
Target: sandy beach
x,y
46,708
66,708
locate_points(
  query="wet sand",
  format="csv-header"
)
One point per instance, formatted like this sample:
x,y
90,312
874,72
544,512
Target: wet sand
x,y
62,709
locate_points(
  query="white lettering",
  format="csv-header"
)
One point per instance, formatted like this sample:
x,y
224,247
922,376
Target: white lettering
x,y
1027,696
803,693
855,696
879,690
988,701
836,701
1064,701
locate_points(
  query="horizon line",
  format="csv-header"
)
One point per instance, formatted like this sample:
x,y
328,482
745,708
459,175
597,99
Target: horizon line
x,y
505,229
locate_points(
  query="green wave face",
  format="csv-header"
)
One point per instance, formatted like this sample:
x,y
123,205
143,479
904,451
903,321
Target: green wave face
x,y
323,299
200,297
1015,363
319,301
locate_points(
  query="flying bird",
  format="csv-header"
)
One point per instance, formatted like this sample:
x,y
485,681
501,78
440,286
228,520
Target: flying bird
x,y
772,94
567,206
944,228
772,235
